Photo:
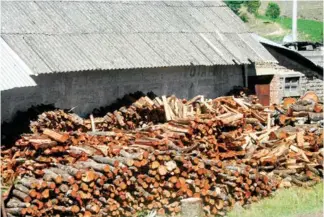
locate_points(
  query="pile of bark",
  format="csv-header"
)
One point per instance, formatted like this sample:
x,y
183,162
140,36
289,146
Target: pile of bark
x,y
224,151
307,109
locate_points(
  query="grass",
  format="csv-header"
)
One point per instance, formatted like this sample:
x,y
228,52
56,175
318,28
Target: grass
x,y
286,203
308,29
309,10
311,28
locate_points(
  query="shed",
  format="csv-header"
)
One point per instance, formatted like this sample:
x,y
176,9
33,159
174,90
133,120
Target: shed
x,y
85,54
292,76
14,72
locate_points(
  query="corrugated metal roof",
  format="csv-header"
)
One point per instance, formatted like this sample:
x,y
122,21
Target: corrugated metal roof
x,y
62,36
14,72
292,54
315,56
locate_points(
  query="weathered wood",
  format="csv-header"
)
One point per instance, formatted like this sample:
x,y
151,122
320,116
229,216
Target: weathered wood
x,y
64,174
14,211
15,202
3,208
21,195
56,136
93,126
77,173
310,96
316,116
298,108
22,188
93,164
216,150
113,161
50,175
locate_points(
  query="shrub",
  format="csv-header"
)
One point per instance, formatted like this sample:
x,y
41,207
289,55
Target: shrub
x,y
234,5
244,17
253,6
273,10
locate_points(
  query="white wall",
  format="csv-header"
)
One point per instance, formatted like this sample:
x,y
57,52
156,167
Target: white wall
x,y
92,89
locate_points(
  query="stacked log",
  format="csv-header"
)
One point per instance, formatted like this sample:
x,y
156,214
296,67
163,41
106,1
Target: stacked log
x,y
144,112
84,181
307,109
119,173
223,151
292,153
58,120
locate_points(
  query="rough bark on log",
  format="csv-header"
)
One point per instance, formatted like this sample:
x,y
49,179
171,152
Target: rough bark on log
x,y
15,202
316,116
14,211
21,195
299,108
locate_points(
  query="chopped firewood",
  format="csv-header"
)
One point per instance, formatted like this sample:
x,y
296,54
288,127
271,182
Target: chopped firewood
x,y
310,95
162,170
56,136
287,102
316,116
210,154
191,207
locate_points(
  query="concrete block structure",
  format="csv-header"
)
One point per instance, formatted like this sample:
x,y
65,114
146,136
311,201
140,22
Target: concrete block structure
x,y
292,76
85,54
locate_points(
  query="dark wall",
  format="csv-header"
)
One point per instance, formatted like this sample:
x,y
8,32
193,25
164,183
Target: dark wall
x,y
92,89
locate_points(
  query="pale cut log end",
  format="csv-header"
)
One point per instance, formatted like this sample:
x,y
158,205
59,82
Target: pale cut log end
x,y
192,207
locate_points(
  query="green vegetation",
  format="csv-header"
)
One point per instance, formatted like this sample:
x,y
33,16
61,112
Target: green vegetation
x,y
244,17
268,23
234,5
286,203
273,10
307,29
253,6
310,28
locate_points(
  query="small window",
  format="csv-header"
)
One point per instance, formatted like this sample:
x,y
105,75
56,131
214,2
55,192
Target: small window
x,y
292,86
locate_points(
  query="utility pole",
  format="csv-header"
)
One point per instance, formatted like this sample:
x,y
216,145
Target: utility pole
x,y
294,21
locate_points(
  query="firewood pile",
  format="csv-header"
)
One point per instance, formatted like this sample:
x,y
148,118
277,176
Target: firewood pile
x,y
306,109
59,120
144,112
224,151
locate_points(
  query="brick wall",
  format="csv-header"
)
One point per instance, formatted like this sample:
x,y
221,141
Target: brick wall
x,y
309,79
275,90
312,84
277,85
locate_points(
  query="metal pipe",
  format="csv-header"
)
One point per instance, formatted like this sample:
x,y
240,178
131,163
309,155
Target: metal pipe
x,y
294,21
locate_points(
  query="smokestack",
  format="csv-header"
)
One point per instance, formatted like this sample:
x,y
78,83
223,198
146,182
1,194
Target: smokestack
x,y
294,21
